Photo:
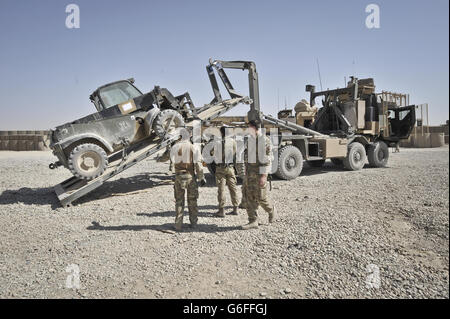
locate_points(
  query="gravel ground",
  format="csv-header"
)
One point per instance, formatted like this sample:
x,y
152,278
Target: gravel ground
x,y
336,233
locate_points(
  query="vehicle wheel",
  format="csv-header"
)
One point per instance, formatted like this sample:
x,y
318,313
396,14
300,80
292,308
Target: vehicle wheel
x,y
167,121
87,161
356,157
290,162
317,164
378,154
337,161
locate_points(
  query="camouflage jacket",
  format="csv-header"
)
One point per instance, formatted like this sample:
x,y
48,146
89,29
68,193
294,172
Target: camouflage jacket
x,y
187,157
258,154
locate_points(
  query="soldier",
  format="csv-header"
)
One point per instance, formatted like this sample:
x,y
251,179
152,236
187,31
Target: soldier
x,y
188,173
241,173
225,174
257,170
240,169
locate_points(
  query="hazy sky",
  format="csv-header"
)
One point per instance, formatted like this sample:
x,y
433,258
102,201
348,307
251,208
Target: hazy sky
x,y
48,71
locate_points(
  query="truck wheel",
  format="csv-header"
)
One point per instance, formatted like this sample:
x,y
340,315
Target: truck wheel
x,y
167,121
290,162
378,154
337,161
356,157
87,161
317,164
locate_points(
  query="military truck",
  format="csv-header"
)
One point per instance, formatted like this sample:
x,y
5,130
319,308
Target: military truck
x,y
125,116
359,116
354,125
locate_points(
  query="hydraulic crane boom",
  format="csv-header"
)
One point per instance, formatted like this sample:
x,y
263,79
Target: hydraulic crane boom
x,y
254,113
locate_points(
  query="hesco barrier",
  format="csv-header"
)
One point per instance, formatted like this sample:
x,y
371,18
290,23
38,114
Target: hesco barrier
x,y
24,140
424,140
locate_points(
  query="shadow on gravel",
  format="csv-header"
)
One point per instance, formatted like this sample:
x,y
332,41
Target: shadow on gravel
x,y
201,212
30,196
204,228
326,168
123,186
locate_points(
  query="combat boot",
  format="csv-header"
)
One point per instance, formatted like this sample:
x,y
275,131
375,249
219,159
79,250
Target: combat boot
x,y
272,215
178,227
235,211
220,213
242,205
251,225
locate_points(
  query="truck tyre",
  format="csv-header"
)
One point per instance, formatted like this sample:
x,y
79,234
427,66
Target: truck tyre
x,y
87,161
290,162
378,154
356,157
317,164
337,161
167,121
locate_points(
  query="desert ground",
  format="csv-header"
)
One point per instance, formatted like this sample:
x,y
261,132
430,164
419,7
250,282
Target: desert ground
x,y
375,233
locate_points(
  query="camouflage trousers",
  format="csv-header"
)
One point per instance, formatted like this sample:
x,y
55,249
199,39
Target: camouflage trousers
x,y
225,176
244,193
185,183
256,196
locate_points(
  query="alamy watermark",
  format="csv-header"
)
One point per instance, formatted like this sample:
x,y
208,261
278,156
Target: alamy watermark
x,y
73,279
239,144
73,17
373,19
373,279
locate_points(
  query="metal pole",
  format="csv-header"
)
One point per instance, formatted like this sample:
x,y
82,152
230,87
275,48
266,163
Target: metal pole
x,y
421,116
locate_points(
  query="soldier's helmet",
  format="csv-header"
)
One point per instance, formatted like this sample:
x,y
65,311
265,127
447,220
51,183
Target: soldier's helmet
x,y
254,123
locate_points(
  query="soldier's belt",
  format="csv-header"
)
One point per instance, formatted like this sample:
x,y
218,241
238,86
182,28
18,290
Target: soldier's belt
x,y
225,165
180,173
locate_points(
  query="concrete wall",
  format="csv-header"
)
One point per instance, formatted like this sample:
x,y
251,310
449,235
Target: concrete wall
x,y
424,140
432,136
24,140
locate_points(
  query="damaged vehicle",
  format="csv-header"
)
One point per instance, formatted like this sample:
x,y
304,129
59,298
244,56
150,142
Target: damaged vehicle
x,y
125,116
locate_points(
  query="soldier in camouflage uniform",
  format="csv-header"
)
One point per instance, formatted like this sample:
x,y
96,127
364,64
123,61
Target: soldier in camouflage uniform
x,y
225,174
257,170
241,173
188,173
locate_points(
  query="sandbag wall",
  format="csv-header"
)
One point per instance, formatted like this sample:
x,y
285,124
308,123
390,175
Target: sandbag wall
x,y
24,140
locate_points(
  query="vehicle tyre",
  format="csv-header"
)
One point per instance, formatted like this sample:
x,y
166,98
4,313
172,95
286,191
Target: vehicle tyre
x,y
317,164
167,121
356,157
378,154
290,162
337,161
87,161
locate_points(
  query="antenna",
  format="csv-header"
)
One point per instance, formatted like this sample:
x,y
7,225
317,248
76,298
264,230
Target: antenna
x,y
320,78
278,95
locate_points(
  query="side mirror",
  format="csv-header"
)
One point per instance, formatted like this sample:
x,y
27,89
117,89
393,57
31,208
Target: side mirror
x,y
310,88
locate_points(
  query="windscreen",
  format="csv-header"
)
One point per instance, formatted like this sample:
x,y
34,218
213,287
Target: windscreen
x,y
118,93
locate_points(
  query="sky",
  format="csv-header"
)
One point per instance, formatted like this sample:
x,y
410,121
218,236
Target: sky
x,y
48,71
